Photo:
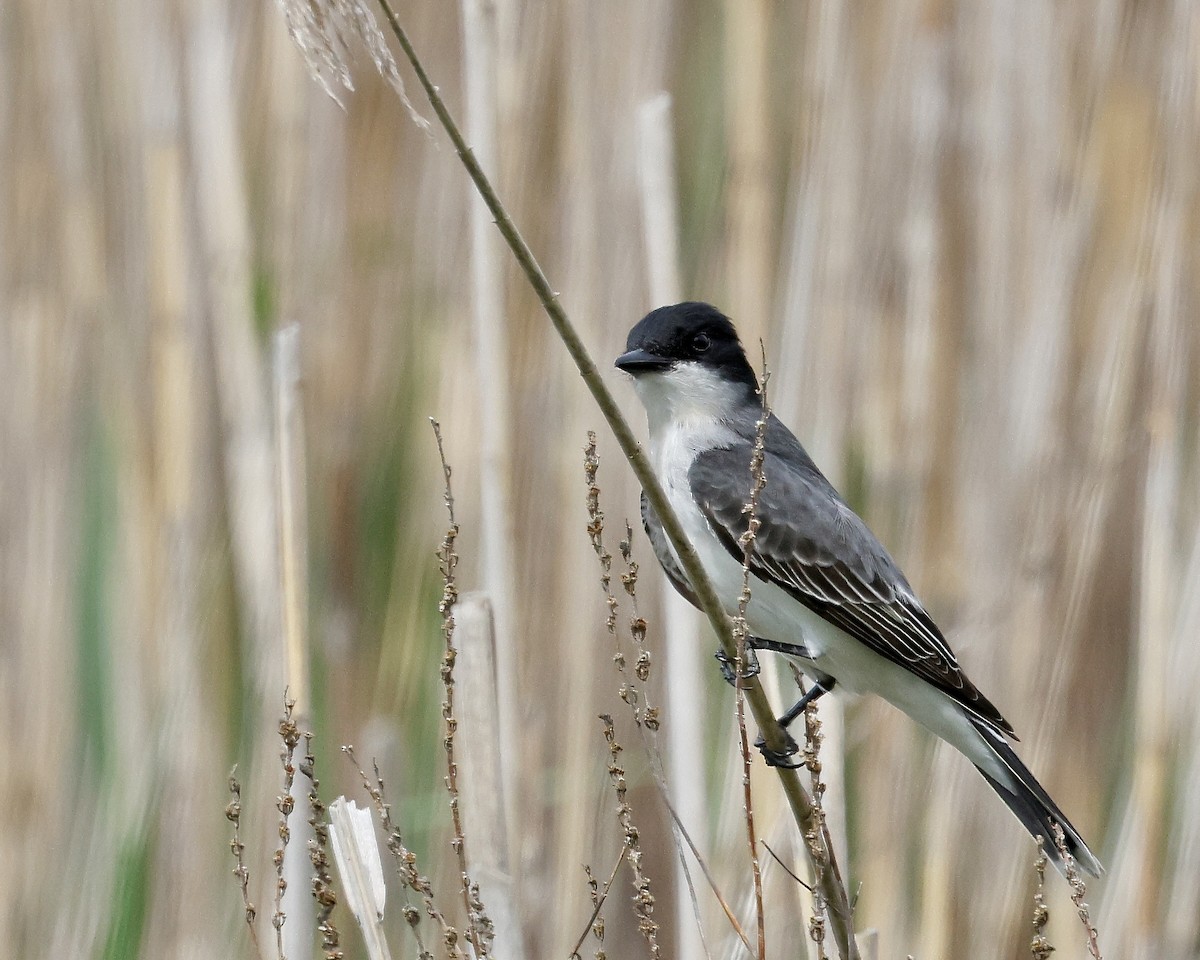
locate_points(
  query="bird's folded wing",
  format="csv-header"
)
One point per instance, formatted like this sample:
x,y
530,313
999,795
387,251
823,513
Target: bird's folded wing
x,y
811,544
666,556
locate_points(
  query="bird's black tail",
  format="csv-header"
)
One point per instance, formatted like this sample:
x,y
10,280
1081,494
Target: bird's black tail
x,y
1032,805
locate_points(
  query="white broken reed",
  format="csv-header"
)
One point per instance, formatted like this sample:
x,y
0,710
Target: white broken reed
x,y
356,854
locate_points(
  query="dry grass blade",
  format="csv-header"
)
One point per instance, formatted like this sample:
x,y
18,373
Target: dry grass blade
x,y
595,925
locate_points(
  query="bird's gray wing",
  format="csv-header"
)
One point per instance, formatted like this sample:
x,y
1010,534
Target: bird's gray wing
x,y
679,580
666,556
815,547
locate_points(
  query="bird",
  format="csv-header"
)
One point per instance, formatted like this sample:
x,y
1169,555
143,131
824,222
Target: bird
x,y
823,590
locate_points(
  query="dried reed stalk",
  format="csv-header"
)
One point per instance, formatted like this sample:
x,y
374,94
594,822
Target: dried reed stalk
x,y
684,682
491,352
480,751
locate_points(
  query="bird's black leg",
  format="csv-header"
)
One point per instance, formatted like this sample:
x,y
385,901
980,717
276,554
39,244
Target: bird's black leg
x,y
776,758
811,695
750,667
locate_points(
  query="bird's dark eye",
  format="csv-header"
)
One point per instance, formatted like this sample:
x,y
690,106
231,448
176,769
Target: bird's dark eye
x,y
700,342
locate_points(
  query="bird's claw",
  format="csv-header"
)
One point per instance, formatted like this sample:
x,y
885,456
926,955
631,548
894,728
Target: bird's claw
x,y
786,758
750,666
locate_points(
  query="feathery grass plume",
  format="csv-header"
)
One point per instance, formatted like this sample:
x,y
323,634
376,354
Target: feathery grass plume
x,y
1078,892
746,541
406,868
1040,947
233,813
325,31
318,855
479,925
595,924
643,898
289,735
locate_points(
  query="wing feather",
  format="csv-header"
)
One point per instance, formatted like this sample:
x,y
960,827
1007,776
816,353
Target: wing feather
x,y
816,548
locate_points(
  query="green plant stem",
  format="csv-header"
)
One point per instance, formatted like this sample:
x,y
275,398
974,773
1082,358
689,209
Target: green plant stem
x,y
834,890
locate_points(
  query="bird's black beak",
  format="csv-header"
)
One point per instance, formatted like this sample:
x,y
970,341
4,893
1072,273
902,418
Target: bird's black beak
x,y
641,361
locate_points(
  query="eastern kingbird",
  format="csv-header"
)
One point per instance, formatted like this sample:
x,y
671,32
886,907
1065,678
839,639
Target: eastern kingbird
x,y
824,591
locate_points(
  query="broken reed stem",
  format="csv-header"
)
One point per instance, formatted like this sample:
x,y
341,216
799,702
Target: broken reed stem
x,y
478,924
817,837
775,737
595,924
406,868
318,855
643,899
289,734
758,481
1040,947
1078,892
233,813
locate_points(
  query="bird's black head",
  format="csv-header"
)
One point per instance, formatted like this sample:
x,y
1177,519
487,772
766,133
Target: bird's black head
x,y
690,332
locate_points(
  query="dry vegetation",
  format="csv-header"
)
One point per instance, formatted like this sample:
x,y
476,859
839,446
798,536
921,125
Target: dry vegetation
x,y
966,233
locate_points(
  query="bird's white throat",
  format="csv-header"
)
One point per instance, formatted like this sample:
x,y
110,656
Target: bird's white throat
x,y
688,396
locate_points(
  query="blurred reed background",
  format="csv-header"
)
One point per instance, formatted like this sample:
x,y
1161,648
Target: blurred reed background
x,y
967,233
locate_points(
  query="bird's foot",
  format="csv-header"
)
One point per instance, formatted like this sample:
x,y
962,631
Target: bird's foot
x,y
750,666
786,758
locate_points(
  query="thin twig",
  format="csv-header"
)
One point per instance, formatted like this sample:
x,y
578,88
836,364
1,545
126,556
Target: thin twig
x,y
598,898
703,868
817,838
479,927
758,481
1078,891
643,899
786,869
773,734
289,734
1040,947
318,855
233,813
